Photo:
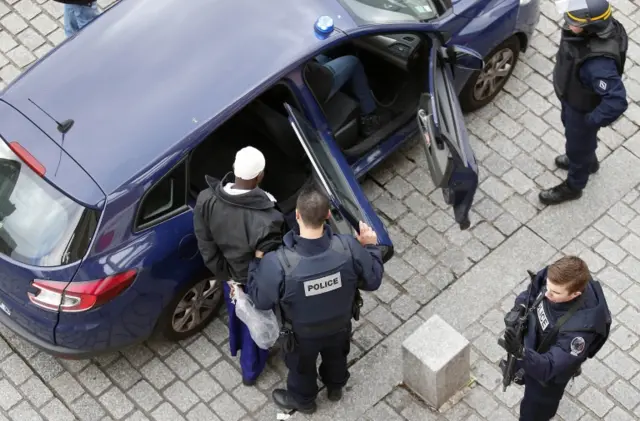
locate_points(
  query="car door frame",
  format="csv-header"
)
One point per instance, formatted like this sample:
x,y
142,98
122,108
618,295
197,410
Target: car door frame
x,y
314,117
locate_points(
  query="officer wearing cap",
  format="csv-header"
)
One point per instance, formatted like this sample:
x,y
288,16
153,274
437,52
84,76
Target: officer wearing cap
x,y
569,322
587,80
312,280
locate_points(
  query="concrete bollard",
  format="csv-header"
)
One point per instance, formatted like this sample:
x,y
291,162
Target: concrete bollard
x,y
436,361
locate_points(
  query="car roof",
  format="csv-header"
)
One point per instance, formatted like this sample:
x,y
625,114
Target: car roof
x,y
142,79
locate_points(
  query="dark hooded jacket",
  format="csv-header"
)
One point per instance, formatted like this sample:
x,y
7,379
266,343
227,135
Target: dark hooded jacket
x,y
230,228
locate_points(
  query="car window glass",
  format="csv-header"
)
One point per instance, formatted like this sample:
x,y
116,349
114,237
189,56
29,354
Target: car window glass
x,y
168,195
329,170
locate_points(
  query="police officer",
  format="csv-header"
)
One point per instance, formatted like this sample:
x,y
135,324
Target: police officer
x,y
587,80
313,280
569,322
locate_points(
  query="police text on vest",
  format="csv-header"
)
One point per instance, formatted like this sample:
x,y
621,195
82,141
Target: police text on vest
x,y
322,285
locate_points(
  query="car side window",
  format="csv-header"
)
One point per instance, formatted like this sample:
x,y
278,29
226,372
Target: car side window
x,y
165,198
444,98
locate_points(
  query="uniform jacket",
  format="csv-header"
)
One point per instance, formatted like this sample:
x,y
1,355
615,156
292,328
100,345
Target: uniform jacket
x,y
230,228
588,75
576,339
267,285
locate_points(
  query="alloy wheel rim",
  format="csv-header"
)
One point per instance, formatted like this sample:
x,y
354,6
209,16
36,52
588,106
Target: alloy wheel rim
x,y
494,74
196,305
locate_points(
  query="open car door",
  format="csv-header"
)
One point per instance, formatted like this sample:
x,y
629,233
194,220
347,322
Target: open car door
x,y
349,203
451,161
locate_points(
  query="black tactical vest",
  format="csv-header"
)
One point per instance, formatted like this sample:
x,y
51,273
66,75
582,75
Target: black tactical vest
x,y
573,51
319,290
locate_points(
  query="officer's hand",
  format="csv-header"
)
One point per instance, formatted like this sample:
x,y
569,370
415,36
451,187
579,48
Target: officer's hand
x,y
259,254
512,343
367,236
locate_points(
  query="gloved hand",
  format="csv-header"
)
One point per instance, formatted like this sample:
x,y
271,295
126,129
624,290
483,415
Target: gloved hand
x,y
512,343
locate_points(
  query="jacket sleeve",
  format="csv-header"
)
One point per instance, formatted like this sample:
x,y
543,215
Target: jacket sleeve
x,y
211,254
566,355
270,237
265,281
368,264
601,75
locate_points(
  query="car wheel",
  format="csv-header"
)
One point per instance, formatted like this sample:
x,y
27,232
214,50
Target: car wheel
x,y
192,309
483,86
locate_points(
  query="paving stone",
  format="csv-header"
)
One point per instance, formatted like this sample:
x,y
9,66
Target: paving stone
x,y
383,319
598,373
116,403
610,251
419,259
227,408
387,291
66,387
624,393
157,373
405,306
421,289
166,412
24,412
250,397
9,396
367,337
228,376
13,23
180,396
569,411
87,408
487,375
622,364
182,364
46,366
16,370
596,401
145,396
123,373
481,401
201,413
623,338
56,411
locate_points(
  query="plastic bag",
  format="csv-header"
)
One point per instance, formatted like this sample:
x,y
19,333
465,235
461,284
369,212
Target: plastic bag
x,y
262,324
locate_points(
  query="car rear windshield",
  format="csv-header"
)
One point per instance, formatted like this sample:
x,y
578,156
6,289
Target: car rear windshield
x,y
39,225
389,11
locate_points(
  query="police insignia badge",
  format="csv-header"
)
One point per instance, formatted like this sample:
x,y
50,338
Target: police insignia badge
x,y
603,85
577,346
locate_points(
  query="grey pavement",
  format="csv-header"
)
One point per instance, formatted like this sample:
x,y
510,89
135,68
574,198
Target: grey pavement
x,y
468,278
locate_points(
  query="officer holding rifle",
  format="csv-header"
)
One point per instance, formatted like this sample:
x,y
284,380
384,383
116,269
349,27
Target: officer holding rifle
x,y
554,326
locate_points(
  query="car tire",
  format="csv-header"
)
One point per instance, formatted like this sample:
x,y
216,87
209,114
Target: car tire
x,y
203,296
482,87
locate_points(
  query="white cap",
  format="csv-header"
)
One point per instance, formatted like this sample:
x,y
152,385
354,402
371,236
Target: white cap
x,y
249,163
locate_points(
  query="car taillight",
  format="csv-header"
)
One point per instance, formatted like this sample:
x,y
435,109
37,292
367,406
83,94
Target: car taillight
x,y
79,296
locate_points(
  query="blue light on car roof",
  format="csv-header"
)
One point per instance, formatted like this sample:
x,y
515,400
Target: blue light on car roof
x,y
324,25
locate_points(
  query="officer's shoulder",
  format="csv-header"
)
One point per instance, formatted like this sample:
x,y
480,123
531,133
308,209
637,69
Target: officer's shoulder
x,y
600,63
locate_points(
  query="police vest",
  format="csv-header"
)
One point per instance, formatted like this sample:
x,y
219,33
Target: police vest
x,y
318,290
573,51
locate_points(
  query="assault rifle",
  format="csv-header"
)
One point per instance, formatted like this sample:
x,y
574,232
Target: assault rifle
x,y
516,319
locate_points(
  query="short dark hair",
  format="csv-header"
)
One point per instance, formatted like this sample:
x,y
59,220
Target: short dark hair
x,y
570,271
313,206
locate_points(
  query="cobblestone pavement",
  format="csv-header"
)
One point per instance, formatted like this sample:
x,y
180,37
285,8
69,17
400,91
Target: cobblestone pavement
x,y
468,278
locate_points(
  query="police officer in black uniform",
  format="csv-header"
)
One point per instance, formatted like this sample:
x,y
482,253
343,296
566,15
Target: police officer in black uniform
x,y
569,322
313,279
587,80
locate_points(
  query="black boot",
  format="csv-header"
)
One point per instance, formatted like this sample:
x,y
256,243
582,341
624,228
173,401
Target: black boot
x,y
334,395
562,162
558,194
372,122
283,399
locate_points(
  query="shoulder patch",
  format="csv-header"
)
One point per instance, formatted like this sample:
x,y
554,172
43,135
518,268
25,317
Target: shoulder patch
x,y
577,346
602,85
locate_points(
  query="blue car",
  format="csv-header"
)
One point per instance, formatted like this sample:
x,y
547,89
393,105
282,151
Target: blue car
x,y
107,140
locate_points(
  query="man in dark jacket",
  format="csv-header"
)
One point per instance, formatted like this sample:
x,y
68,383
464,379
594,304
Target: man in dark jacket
x,y
77,14
233,221
588,82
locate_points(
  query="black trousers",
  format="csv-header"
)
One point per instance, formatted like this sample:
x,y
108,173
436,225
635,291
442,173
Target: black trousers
x,y
581,145
540,403
302,379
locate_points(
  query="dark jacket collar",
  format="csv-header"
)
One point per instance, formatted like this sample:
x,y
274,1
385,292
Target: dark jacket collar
x,y
253,199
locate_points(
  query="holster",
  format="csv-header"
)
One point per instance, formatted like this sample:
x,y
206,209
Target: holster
x,y
287,340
